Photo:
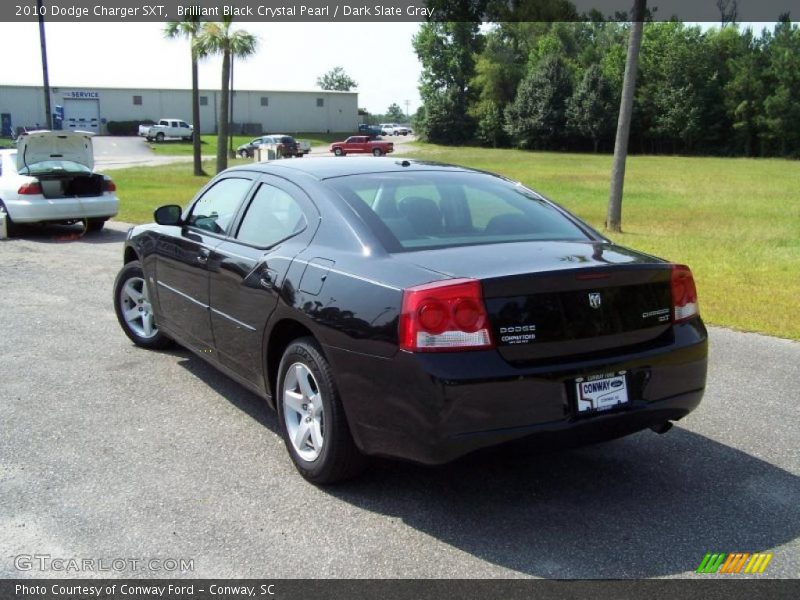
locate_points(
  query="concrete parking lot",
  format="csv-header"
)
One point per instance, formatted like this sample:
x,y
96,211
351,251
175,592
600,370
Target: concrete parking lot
x,y
111,451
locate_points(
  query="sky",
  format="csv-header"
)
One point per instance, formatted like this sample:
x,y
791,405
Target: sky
x,y
290,57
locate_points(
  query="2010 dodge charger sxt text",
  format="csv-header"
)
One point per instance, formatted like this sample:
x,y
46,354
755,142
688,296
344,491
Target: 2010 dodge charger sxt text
x,y
414,310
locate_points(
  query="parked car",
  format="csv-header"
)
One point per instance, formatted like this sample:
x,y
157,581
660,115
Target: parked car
x,y
361,144
248,150
304,146
50,178
167,128
373,131
285,145
415,310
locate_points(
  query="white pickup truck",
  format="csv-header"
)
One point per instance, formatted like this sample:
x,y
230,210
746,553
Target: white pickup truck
x,y
166,128
394,129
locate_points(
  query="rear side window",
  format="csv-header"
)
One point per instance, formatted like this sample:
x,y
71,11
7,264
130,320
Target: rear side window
x,y
215,210
272,216
420,210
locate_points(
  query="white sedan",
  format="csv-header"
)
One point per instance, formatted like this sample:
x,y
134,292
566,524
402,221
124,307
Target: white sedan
x,y
50,178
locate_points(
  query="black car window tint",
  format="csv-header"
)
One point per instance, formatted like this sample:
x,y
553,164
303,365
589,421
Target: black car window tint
x,y
215,210
437,210
272,216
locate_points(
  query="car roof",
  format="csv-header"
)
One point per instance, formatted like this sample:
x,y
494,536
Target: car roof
x,y
325,167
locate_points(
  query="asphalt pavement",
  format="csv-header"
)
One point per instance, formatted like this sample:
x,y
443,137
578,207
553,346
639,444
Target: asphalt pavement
x,y
110,451
119,152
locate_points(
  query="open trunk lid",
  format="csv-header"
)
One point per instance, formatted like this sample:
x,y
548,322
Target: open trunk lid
x,y
550,300
41,146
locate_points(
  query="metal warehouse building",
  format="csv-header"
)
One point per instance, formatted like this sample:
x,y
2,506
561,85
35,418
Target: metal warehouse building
x,y
91,108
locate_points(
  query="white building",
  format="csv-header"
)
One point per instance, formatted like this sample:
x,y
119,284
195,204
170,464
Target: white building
x,y
91,108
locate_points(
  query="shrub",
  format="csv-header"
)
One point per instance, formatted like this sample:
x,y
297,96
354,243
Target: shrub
x,y
126,127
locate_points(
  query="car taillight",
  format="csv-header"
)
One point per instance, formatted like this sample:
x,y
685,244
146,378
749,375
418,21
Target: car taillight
x,y
32,188
444,316
109,185
684,294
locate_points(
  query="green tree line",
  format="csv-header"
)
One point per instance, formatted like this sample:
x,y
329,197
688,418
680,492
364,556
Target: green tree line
x,y
556,86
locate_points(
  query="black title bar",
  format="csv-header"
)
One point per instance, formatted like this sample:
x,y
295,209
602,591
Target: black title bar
x,y
703,587
387,10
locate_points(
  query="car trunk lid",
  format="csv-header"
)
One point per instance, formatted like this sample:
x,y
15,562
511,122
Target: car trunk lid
x,y
41,146
550,300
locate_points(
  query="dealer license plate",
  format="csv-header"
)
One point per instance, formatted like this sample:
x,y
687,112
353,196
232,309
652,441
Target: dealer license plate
x,y
601,393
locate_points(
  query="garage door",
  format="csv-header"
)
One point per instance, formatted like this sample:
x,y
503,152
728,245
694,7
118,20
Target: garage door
x,y
82,114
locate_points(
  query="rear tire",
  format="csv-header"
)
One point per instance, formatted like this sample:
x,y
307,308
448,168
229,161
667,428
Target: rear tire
x,y
311,416
11,228
133,308
159,137
94,225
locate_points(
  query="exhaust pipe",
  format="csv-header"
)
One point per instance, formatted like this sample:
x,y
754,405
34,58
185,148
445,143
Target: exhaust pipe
x,y
662,428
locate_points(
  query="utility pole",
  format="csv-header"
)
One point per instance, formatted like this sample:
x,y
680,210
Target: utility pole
x,y
230,116
407,115
614,215
45,76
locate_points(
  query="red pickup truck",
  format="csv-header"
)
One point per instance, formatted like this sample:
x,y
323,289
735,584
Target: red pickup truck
x,y
360,144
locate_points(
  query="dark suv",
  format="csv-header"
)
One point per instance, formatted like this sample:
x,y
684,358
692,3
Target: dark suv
x,y
286,146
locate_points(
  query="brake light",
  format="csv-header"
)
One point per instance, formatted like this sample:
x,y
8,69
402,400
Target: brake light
x,y
444,316
684,294
109,185
32,188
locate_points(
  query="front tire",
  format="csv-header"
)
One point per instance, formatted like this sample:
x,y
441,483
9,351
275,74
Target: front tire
x,y
377,152
338,152
134,310
312,418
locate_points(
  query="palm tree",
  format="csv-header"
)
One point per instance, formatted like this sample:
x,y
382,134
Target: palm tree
x,y
190,28
217,38
614,215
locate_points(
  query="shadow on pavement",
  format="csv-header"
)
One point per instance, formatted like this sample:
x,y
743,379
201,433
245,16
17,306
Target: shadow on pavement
x,y
59,234
238,395
642,506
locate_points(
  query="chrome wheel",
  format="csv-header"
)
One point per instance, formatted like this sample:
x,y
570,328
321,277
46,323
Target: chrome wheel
x,y
136,308
302,411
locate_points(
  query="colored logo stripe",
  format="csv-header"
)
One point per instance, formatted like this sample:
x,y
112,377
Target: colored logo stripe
x,y
734,562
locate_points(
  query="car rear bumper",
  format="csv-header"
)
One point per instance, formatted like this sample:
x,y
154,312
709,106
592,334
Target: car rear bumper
x,y
36,210
433,408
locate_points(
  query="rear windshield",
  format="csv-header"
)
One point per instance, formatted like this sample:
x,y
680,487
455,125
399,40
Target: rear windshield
x,y
287,140
421,210
55,166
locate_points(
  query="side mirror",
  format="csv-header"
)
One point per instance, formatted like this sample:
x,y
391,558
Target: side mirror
x,y
168,215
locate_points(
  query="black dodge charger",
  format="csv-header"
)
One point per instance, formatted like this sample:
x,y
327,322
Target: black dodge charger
x,y
414,310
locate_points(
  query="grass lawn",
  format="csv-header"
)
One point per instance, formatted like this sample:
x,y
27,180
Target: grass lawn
x,y
143,189
209,143
736,222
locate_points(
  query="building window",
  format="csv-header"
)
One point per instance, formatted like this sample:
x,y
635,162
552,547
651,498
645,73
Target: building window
x,y
264,101
203,100
320,102
137,100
